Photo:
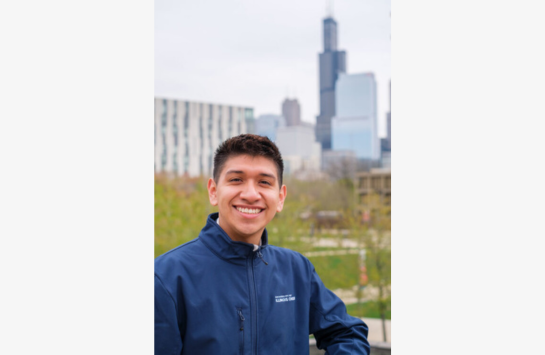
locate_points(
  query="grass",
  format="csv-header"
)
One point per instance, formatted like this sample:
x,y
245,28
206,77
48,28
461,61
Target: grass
x,y
337,271
367,309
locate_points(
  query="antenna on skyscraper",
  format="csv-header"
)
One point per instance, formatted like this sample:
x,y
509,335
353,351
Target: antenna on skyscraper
x,y
329,8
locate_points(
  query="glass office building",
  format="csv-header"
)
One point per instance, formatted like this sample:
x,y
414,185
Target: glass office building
x,y
266,125
355,125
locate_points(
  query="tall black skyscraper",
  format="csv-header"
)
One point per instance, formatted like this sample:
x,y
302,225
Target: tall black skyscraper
x,y
332,62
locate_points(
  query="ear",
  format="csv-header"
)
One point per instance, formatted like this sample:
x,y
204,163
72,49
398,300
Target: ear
x,y
212,192
282,194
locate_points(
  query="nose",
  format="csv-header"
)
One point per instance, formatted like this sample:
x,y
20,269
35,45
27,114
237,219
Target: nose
x,y
250,193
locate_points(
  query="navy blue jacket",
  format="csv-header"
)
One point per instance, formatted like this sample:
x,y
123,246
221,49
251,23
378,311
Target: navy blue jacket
x,y
217,296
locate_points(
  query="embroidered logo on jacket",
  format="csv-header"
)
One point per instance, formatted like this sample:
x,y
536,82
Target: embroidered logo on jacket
x,y
284,298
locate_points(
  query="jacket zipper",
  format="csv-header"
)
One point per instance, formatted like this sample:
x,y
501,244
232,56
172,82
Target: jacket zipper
x,y
261,257
253,302
241,337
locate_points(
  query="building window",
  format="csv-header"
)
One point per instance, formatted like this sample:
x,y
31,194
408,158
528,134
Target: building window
x,y
375,182
186,135
249,113
186,120
230,123
163,135
210,124
175,124
220,127
239,119
210,112
201,135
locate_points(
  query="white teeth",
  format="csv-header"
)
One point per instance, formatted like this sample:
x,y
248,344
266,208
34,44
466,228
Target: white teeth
x,y
249,210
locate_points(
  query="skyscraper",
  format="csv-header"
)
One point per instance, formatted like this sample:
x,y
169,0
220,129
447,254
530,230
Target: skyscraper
x,y
386,148
331,62
386,143
291,112
354,127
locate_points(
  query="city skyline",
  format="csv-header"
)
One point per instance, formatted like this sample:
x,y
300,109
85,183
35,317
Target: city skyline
x,y
256,55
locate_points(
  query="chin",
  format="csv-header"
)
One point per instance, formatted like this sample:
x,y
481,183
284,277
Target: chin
x,y
248,233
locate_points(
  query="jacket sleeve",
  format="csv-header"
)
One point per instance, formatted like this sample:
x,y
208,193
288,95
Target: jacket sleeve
x,y
334,330
168,340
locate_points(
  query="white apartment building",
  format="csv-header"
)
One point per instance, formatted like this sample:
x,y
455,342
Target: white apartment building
x,y
187,134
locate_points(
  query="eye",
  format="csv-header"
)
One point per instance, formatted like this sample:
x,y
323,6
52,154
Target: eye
x,y
235,180
265,182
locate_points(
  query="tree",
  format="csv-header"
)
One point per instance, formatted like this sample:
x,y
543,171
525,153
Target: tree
x,y
375,238
181,207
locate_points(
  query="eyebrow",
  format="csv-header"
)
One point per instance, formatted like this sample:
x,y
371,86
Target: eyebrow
x,y
242,172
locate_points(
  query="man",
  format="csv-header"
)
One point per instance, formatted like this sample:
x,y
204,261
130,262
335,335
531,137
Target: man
x,y
229,291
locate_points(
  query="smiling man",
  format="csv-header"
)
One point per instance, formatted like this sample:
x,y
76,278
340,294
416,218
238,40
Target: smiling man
x,y
230,292
247,193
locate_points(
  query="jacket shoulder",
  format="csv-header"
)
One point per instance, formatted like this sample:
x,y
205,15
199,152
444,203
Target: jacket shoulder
x,y
290,255
286,252
177,255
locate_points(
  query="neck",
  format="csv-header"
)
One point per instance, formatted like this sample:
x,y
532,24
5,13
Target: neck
x,y
253,239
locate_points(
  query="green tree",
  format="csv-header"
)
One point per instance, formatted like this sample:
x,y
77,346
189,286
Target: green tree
x,y
181,207
376,239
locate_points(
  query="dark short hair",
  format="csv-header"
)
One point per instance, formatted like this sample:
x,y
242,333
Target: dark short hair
x,y
247,144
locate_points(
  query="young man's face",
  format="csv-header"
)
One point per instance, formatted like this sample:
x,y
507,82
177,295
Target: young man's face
x,y
248,196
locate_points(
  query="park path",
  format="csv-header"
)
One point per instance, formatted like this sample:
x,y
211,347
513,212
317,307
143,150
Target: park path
x,y
375,329
310,254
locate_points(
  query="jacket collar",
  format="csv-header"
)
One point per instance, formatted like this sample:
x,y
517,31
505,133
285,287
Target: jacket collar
x,y
215,238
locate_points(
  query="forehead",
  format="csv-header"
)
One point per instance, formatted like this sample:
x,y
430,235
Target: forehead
x,y
249,165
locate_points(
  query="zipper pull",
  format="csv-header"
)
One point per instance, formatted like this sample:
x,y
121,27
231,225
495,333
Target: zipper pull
x,y
241,319
261,257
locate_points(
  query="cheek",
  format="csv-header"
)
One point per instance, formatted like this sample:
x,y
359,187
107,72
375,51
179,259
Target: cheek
x,y
224,199
275,204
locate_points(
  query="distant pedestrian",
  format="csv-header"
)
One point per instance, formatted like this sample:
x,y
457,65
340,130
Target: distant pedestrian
x,y
230,292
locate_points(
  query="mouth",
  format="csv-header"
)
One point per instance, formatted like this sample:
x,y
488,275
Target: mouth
x,y
249,211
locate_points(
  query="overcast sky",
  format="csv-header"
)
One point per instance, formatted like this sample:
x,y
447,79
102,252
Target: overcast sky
x,y
256,53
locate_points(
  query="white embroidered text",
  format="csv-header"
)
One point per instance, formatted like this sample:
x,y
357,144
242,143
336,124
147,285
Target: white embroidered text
x,y
284,298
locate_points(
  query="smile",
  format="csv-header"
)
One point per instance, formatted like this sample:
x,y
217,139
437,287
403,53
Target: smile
x,y
249,210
